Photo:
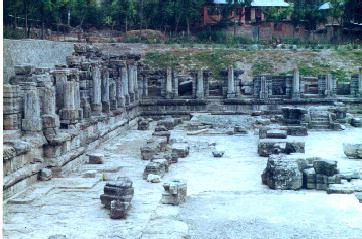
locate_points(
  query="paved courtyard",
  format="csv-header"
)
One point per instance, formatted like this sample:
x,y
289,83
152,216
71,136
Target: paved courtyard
x,y
226,198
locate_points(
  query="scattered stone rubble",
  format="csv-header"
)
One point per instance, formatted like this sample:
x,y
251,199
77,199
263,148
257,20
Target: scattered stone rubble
x,y
175,192
353,150
160,153
117,197
143,124
293,172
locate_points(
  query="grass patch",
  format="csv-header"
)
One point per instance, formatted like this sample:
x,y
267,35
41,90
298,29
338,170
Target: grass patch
x,y
262,67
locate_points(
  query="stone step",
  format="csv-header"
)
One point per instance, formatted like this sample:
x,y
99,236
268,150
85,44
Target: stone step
x,y
320,119
319,126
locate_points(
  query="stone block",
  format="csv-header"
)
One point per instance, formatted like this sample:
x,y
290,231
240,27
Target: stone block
x,y
148,151
31,124
282,173
297,130
325,167
164,162
24,69
152,178
218,154
69,114
268,147
168,123
240,130
309,178
276,134
96,158
353,150
45,174
50,121
321,182
159,128
154,168
166,134
11,121
143,124
181,149
356,122
8,152
175,192
119,209
294,147
120,190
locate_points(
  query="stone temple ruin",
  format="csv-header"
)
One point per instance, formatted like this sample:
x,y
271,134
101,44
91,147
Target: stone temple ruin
x,y
55,118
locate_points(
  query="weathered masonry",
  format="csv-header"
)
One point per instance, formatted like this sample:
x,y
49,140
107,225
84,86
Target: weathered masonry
x,y
53,116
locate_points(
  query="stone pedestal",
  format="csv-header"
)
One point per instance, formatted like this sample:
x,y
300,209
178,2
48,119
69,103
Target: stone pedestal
x,y
231,83
175,192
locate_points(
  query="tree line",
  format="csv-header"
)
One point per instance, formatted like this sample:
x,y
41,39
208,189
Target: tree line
x,y
164,15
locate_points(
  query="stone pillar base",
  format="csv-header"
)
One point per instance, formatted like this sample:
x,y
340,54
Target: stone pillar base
x,y
70,114
31,124
121,102
131,97
113,104
96,107
50,121
231,95
105,106
296,96
127,99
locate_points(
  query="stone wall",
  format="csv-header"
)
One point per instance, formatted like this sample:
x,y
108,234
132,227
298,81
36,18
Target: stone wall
x,y
35,52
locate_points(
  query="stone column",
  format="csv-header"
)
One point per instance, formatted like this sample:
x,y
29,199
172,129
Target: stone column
x,y
263,88
70,113
96,90
105,90
131,81
112,95
330,85
175,86
200,85
207,75
11,107
119,88
145,86
169,83
231,83
31,121
60,77
125,84
140,86
50,118
360,82
135,79
296,84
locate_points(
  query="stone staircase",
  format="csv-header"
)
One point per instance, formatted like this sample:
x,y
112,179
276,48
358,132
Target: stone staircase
x,y
319,120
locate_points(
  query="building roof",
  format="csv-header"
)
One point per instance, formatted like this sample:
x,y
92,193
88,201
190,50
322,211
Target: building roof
x,y
225,1
269,3
325,6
